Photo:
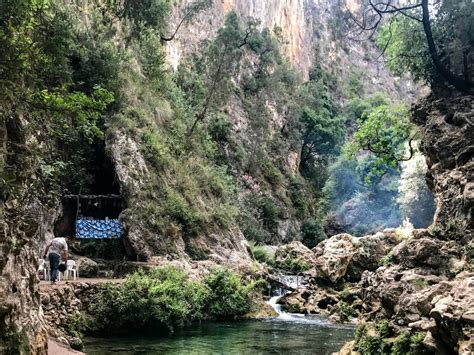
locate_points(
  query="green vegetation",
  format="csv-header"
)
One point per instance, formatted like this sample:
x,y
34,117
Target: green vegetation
x,y
228,297
293,265
407,343
386,260
345,311
408,37
383,131
406,48
380,177
260,254
80,93
380,339
312,233
11,338
167,298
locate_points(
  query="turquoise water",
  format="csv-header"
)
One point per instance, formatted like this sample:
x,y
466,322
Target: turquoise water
x,y
299,335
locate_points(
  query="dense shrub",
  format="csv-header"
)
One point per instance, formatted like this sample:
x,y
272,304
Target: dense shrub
x,y
228,297
345,311
175,299
220,127
292,264
379,339
260,254
166,298
268,212
408,344
312,233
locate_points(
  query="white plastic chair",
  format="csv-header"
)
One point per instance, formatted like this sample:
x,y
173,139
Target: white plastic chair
x,y
43,269
71,268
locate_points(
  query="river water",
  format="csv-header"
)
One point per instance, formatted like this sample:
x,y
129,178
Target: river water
x,y
286,334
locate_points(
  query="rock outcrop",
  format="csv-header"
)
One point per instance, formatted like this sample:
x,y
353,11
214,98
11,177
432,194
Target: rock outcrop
x,y
346,257
25,225
453,313
427,284
419,283
447,121
63,308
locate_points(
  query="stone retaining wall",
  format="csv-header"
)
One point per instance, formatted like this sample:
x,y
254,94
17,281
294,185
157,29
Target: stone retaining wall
x,y
62,306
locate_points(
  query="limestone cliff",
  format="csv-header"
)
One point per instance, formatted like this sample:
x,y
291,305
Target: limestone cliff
x,y
306,28
25,220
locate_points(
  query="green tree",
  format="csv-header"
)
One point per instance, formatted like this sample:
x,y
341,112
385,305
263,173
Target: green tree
x,y
323,129
141,14
219,63
190,12
33,42
413,31
405,49
384,132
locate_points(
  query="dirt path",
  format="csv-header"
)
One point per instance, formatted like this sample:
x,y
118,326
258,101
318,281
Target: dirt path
x,y
56,348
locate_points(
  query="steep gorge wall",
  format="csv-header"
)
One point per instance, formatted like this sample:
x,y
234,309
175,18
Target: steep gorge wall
x,y
308,28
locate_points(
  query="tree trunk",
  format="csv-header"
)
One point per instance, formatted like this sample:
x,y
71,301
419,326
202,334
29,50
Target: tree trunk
x,y
202,115
458,83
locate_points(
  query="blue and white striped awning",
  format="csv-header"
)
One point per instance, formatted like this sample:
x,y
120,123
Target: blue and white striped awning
x,y
98,228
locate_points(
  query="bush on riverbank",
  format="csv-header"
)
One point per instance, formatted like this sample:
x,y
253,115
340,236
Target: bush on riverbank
x,y
228,297
166,298
261,254
382,339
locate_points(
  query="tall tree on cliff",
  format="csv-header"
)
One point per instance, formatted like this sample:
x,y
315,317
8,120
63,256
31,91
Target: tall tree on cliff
x,y
220,61
433,41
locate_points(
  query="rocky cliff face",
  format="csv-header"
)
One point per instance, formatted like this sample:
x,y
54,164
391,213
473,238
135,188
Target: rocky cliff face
x,y
306,28
447,122
25,222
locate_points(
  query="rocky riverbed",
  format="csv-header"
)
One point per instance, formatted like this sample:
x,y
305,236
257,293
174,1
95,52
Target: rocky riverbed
x,y
414,281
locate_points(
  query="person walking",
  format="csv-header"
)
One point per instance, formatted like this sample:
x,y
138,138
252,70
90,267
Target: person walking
x,y
56,248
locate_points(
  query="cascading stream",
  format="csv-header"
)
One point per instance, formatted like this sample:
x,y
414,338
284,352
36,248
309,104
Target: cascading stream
x,y
292,282
283,316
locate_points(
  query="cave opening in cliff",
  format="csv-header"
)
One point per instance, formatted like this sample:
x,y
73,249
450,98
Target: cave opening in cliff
x,y
103,172
92,209
91,215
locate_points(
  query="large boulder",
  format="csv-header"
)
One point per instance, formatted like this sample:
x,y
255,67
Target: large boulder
x,y
423,251
87,267
310,301
405,294
294,257
454,314
346,257
417,252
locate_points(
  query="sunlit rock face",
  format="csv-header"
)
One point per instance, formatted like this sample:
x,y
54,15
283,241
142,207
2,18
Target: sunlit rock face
x,y
292,16
306,28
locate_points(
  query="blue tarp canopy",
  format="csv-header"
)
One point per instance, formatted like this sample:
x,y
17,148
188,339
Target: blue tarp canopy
x,y
98,228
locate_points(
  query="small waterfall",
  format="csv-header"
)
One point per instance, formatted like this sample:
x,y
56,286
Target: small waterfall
x,y
293,282
283,316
